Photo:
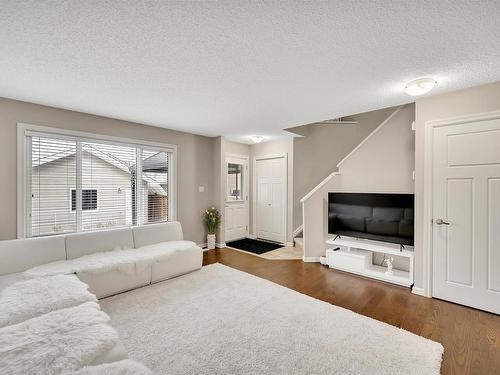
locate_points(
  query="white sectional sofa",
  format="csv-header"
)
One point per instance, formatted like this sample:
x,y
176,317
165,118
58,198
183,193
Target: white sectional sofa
x,y
167,256
175,256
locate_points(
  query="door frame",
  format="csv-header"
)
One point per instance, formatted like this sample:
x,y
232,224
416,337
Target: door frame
x,y
246,186
427,250
284,156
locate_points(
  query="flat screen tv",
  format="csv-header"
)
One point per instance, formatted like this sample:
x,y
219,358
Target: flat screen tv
x,y
379,217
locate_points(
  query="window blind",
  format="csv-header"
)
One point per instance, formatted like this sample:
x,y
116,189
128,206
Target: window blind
x,y
108,172
53,175
80,184
155,166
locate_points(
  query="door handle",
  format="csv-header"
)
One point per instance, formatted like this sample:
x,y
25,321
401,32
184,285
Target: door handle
x,y
441,222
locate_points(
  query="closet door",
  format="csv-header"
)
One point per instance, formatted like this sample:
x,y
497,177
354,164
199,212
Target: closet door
x,y
466,214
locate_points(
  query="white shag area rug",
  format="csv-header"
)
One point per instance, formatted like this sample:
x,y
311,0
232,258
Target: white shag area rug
x,y
222,321
123,367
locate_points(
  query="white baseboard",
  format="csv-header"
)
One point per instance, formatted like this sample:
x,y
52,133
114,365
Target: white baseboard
x,y
290,244
310,259
251,236
205,248
418,291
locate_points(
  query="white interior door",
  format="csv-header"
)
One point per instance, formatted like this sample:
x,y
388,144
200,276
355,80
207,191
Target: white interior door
x,y
236,207
466,214
271,199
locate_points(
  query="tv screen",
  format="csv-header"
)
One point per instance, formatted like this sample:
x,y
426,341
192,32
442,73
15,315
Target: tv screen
x,y
379,217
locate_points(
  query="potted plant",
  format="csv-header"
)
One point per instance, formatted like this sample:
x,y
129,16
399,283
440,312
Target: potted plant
x,y
212,218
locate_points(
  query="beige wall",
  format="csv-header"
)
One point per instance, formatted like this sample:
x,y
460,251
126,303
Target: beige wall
x,y
219,180
194,165
460,103
383,164
236,148
316,154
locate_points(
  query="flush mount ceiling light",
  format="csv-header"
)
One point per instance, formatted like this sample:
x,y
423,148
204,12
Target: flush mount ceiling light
x,y
257,138
420,86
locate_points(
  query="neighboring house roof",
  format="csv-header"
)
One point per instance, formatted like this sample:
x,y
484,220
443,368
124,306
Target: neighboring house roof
x,y
152,165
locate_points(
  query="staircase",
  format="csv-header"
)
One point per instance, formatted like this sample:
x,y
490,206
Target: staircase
x,y
360,170
298,242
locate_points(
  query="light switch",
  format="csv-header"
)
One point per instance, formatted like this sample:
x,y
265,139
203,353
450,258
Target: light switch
x,y
201,189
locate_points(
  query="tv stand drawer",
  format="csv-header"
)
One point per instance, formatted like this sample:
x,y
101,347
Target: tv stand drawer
x,y
354,259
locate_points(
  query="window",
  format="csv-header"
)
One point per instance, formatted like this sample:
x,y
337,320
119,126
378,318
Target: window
x,y
77,182
89,199
50,178
155,185
234,182
111,170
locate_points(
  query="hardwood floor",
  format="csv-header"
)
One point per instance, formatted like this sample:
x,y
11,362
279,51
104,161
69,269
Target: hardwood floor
x,y
471,338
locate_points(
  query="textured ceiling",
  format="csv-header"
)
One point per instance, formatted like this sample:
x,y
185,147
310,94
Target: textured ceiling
x,y
239,68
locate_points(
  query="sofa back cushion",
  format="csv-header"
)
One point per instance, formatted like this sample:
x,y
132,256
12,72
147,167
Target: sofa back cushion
x,y
80,244
155,233
20,255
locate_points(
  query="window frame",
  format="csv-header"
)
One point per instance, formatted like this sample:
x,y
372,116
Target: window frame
x,y
96,209
229,196
242,160
24,131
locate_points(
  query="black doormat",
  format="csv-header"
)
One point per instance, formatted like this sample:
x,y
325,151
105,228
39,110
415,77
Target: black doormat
x,y
254,246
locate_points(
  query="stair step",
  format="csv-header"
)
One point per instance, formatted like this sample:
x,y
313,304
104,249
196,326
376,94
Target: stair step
x,y
298,241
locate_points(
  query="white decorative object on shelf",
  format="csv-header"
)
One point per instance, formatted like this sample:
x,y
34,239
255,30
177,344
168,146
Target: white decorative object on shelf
x,y
389,262
210,241
356,256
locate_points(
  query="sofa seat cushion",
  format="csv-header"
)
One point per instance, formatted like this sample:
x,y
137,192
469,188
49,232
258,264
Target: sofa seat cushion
x,y
114,282
185,258
173,258
130,262
164,249
125,261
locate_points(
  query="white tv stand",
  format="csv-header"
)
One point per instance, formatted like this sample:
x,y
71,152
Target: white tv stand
x,y
356,256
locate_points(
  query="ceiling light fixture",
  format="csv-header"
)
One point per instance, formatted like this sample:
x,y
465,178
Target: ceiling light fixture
x,y
257,138
420,86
